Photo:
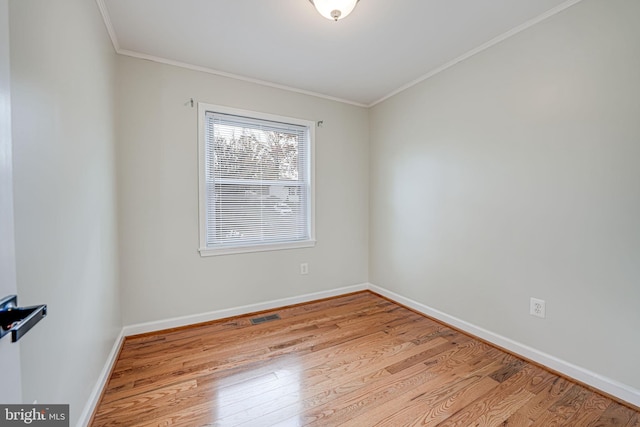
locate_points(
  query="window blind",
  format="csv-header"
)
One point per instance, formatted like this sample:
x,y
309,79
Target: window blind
x,y
257,181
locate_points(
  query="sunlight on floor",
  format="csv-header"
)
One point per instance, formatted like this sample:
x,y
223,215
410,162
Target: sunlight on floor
x,y
244,398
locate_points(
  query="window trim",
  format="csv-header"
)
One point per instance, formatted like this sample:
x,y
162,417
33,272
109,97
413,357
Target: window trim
x,y
203,108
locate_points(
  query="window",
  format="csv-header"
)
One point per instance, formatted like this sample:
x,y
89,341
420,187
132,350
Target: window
x,y
256,189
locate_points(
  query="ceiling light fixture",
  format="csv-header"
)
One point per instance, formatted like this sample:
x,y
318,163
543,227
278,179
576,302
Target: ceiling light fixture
x,y
334,9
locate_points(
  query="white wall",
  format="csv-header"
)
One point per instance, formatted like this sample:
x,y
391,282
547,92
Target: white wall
x,y
515,174
63,77
510,175
10,392
162,273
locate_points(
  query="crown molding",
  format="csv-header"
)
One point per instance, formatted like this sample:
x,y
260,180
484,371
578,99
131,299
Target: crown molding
x,y
207,70
107,23
116,45
494,41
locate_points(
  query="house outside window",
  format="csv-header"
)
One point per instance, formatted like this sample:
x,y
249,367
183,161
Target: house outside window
x,y
256,181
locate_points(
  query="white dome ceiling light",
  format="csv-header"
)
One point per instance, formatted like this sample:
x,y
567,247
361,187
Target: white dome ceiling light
x,y
334,9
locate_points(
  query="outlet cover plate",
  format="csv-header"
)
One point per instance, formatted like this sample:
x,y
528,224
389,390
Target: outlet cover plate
x,y
537,307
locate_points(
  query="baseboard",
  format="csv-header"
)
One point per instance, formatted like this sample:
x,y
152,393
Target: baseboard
x,y
94,397
176,322
609,386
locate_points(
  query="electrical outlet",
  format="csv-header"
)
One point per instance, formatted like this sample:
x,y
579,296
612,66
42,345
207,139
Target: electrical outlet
x,y
304,268
537,307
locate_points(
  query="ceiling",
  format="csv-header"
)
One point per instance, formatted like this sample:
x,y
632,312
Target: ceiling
x,y
381,48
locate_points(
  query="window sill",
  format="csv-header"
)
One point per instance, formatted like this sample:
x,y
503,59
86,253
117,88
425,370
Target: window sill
x,y
256,248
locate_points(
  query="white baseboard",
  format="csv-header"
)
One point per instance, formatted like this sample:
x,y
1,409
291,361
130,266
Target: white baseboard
x,y
94,397
607,385
614,388
176,322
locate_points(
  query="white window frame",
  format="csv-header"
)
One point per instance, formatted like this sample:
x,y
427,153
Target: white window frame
x,y
203,108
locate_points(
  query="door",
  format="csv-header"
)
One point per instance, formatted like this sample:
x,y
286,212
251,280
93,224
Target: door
x,y
11,391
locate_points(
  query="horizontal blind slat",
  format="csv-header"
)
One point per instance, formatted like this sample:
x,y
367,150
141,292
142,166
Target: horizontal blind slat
x,y
257,181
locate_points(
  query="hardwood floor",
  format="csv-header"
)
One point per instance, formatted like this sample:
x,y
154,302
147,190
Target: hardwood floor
x,y
357,360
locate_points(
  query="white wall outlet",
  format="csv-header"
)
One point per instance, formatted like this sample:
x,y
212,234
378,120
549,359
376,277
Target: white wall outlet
x,y
304,268
537,307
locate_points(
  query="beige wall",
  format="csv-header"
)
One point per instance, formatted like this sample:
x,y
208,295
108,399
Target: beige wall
x,y
162,273
515,174
10,392
63,77
512,174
